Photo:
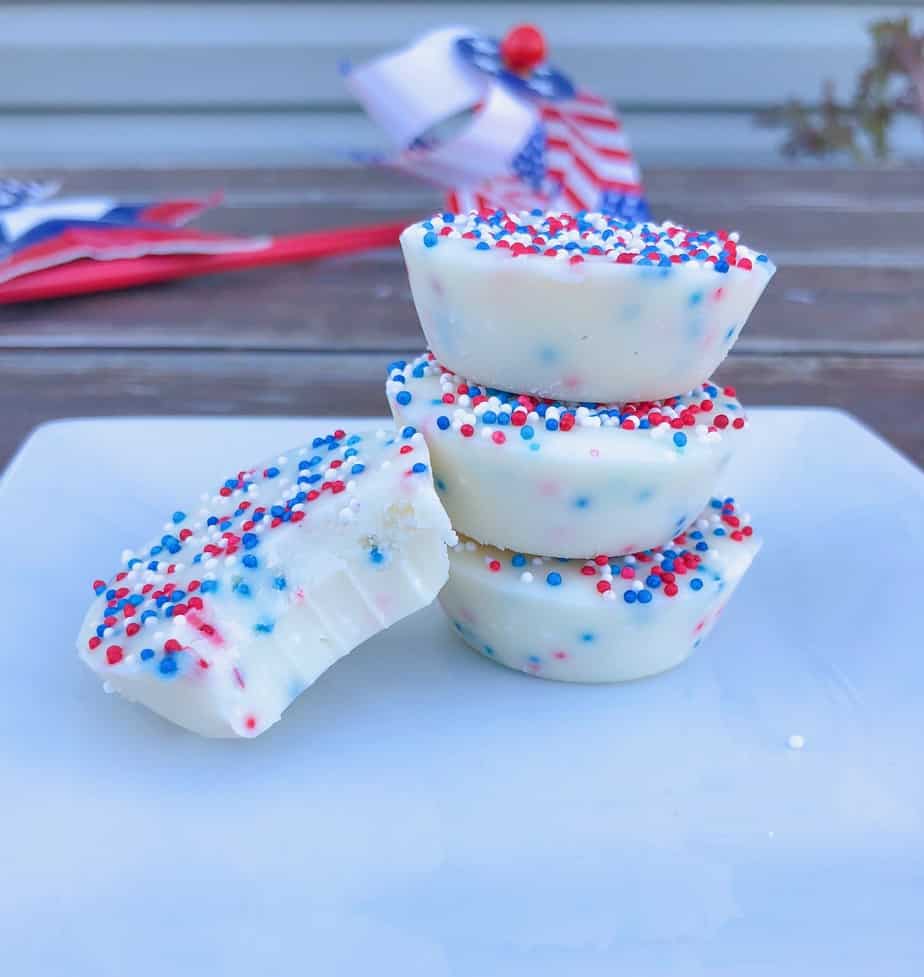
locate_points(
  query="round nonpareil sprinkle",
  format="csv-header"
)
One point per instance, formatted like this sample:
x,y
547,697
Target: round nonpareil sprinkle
x,y
592,237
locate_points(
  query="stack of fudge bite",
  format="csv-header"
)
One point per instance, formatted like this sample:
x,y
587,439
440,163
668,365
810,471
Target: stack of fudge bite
x,y
576,437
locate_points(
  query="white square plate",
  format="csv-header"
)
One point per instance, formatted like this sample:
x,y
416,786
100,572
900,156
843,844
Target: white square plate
x,y
421,811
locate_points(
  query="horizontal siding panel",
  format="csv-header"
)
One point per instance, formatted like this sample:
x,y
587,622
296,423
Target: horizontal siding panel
x,y
267,139
219,56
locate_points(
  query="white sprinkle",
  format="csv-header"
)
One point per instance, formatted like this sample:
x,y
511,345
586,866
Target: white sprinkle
x,y
526,577
796,742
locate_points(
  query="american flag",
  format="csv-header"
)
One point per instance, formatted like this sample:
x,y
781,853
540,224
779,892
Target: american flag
x,y
577,159
40,230
495,131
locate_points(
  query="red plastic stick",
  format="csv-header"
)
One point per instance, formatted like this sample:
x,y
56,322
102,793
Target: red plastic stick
x,y
81,277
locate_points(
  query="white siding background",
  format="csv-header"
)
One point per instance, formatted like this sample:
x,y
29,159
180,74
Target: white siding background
x,y
160,84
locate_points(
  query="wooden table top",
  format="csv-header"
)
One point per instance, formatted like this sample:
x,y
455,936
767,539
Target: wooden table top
x,y
842,324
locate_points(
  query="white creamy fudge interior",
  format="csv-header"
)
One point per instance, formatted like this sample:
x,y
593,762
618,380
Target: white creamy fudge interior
x,y
601,620
566,479
583,307
252,592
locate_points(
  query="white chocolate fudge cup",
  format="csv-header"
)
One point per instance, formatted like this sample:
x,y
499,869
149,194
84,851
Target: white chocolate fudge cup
x,y
557,319
564,479
249,594
599,621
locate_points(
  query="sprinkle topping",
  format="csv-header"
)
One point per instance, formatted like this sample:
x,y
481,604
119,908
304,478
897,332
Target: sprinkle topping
x,y
687,563
220,553
466,408
593,237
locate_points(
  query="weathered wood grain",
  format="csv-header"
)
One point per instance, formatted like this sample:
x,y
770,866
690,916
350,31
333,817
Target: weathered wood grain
x,y
842,324
818,221
365,303
39,386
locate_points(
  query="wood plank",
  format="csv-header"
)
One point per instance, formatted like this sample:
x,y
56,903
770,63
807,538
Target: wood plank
x,y
365,304
778,186
853,284
884,392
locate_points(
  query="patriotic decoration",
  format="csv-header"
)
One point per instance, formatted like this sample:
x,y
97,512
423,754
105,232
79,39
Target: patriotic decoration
x,y
497,126
40,230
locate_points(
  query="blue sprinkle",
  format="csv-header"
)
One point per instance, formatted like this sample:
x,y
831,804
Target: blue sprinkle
x,y
150,613
715,503
408,432
582,502
518,560
526,432
443,422
147,654
430,239
489,417
264,626
250,540
644,596
419,468
721,267
168,665
250,561
357,469
553,579
696,584
482,246
207,586
179,516
719,532
279,583
376,555
503,419
653,581
242,588
449,217
762,257
354,439
534,659
404,397
680,439
551,424
629,596
587,636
